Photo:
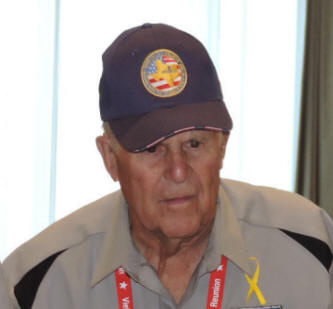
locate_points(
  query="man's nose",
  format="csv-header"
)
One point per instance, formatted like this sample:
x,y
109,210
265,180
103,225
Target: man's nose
x,y
178,168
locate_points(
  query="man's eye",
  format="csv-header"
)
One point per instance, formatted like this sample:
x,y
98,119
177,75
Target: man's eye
x,y
194,143
152,149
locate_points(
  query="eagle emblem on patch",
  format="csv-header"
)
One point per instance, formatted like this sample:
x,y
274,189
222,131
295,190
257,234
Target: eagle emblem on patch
x,y
163,73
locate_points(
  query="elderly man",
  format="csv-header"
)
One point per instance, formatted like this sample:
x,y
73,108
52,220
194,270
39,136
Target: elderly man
x,y
175,236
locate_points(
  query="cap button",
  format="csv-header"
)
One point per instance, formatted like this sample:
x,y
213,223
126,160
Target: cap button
x,y
146,25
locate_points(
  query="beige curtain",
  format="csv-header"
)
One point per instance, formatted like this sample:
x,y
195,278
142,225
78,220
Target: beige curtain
x,y
315,157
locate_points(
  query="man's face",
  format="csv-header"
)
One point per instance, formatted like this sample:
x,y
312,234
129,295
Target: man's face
x,y
172,188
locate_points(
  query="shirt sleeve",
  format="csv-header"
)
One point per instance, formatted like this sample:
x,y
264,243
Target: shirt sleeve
x,y
329,226
5,300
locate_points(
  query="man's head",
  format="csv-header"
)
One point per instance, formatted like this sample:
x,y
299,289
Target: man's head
x,y
166,128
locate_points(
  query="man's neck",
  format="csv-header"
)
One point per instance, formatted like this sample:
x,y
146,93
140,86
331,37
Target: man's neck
x,y
175,260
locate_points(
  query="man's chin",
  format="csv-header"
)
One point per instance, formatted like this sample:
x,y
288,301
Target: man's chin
x,y
181,230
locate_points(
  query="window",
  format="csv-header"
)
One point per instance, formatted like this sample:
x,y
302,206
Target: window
x,y
51,64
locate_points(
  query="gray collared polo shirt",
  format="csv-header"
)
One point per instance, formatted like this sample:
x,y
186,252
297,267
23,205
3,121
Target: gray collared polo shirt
x,y
72,263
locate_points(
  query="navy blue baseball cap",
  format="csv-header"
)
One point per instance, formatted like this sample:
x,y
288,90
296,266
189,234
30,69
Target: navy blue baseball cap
x,y
158,81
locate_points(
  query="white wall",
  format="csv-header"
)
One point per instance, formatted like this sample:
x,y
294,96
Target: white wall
x,y
50,60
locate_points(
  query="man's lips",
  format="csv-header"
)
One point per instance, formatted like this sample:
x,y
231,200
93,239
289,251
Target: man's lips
x,y
178,199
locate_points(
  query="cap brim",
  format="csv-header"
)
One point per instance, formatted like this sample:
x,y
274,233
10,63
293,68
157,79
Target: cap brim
x,y
140,132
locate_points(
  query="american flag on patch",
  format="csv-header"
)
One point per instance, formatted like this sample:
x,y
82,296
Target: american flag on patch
x,y
158,73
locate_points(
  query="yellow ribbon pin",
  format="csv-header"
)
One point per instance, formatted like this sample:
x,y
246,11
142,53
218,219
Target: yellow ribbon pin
x,y
253,282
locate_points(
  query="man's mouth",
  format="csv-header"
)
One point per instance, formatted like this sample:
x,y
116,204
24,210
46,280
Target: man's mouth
x,y
178,200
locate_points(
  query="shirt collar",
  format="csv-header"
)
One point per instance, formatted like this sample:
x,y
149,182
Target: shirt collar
x,y
118,248
226,238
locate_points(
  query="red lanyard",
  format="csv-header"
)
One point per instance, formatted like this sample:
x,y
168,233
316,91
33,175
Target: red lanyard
x,y
216,285
124,289
215,291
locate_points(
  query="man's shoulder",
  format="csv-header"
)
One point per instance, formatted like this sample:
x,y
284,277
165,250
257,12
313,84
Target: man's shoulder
x,y
283,211
94,218
250,195
276,208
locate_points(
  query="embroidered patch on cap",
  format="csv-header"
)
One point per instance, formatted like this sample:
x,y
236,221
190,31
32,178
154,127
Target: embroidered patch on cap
x,y
163,73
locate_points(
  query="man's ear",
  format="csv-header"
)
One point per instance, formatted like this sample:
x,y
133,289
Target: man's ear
x,y
109,157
